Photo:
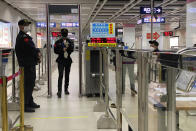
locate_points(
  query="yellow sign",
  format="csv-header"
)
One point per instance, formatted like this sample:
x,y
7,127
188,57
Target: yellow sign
x,y
102,44
110,28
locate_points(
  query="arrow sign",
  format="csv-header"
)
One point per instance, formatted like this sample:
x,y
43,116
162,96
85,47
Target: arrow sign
x,y
147,10
155,36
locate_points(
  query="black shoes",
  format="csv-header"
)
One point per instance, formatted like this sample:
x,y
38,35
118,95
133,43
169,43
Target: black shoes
x,y
66,92
29,110
31,107
34,105
59,95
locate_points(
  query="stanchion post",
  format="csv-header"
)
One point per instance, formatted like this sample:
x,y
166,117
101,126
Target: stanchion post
x,y
105,59
4,109
100,75
143,81
42,63
13,80
171,104
119,90
105,121
22,99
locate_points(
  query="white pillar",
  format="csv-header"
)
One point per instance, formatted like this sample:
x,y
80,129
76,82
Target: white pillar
x,y
191,23
129,35
146,28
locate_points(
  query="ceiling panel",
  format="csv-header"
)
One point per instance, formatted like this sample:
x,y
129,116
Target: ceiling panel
x,y
109,10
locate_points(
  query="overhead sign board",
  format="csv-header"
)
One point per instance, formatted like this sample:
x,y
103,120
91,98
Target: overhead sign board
x,y
158,20
147,10
43,25
102,30
69,24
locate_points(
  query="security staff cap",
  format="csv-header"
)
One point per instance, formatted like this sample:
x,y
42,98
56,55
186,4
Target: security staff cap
x,y
24,22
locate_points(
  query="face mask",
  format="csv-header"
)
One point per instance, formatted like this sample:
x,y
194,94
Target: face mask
x,y
26,29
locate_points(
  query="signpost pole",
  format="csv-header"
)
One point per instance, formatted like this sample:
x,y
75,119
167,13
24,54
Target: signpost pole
x,y
152,14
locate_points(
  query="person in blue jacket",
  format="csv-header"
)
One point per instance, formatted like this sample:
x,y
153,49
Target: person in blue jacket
x,y
63,47
28,56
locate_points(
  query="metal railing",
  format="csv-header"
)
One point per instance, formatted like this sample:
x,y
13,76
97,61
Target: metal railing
x,y
157,105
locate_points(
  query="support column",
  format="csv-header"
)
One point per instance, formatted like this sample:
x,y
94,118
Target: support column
x,y
190,23
129,35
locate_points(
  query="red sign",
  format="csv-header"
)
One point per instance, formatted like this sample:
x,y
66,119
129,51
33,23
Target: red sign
x,y
155,36
56,34
148,35
168,33
103,40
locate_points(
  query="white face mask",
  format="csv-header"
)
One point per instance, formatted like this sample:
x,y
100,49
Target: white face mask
x,y
26,29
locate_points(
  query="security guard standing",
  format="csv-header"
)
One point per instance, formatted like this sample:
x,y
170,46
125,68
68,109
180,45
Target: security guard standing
x,y
28,56
63,47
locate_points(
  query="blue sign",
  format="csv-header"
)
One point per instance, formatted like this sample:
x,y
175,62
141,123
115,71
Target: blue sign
x,y
43,25
102,30
53,25
69,24
158,20
147,10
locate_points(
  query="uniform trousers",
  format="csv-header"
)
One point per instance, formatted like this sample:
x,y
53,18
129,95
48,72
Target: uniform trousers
x,y
29,84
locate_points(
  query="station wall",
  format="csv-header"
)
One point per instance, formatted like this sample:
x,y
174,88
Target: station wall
x,y
11,15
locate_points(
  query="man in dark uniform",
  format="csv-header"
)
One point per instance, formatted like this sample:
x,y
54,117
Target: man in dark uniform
x,y
28,56
63,47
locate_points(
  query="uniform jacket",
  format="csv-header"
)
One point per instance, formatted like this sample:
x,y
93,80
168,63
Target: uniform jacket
x,y
26,52
58,49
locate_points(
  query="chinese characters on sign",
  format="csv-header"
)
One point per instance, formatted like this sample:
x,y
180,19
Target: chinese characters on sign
x,y
69,24
147,10
43,25
155,36
168,33
158,20
103,40
102,30
5,35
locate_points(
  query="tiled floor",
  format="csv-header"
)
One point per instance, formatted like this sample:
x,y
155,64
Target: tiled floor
x,y
70,113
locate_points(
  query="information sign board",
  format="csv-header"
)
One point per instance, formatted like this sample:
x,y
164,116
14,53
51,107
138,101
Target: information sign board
x,y
158,20
43,25
147,10
102,30
69,24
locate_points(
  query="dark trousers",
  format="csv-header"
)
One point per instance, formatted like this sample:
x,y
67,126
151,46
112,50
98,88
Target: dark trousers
x,y
61,68
29,83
